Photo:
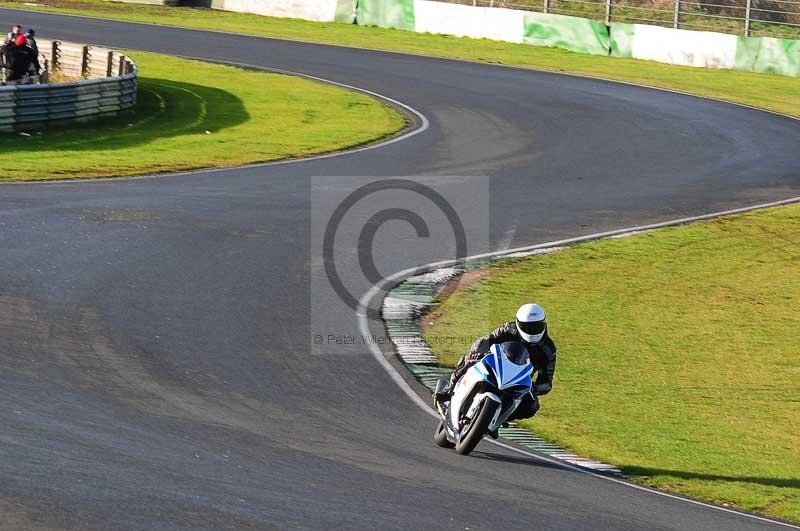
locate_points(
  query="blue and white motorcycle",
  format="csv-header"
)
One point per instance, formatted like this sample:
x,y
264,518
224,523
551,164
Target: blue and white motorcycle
x,y
484,397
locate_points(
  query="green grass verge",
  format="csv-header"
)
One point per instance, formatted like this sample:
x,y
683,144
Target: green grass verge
x,y
196,115
773,92
679,359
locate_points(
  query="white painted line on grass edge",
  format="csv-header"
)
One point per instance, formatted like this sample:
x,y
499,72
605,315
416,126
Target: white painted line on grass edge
x,y
422,126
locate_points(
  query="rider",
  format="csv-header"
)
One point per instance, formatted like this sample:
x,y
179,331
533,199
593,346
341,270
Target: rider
x,y
530,329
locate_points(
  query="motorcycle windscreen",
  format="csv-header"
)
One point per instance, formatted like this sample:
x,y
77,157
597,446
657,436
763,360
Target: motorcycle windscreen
x,y
515,352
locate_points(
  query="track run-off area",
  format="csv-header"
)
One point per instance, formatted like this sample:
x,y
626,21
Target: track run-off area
x,y
157,363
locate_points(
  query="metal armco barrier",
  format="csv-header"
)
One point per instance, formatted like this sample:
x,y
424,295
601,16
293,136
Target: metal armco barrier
x,y
105,85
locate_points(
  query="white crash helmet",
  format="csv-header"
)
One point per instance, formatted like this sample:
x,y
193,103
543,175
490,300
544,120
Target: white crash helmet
x,y
531,322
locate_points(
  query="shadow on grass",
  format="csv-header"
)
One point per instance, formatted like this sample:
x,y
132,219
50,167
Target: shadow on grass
x,y
681,474
792,483
164,109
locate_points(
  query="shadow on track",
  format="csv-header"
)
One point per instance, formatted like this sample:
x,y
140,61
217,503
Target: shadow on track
x,y
529,461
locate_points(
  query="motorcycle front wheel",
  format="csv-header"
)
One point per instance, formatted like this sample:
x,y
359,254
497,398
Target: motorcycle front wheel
x,y
477,428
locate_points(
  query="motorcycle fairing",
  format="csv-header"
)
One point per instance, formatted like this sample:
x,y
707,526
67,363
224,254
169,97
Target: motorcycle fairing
x,y
508,374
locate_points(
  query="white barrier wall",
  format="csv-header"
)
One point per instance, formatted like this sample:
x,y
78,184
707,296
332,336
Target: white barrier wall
x,y
683,47
639,41
316,10
768,55
467,21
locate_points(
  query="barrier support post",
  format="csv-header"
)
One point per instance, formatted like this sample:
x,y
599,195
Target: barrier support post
x,y
676,23
110,64
747,20
608,12
85,62
54,59
121,65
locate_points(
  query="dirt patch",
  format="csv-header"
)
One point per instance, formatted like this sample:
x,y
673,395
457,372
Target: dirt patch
x,y
461,282
57,76
17,515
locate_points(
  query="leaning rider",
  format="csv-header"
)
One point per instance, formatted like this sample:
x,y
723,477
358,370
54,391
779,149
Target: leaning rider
x,y
530,329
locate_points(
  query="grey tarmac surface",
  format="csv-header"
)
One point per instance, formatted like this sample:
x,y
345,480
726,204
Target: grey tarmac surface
x,y
157,369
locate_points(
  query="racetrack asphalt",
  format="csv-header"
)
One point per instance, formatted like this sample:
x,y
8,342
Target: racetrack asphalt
x,y
157,368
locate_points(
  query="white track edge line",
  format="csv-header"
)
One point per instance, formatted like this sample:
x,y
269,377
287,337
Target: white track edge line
x,y
363,324
423,125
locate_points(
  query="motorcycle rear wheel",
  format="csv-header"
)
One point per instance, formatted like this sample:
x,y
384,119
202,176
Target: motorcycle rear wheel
x,y
477,429
440,437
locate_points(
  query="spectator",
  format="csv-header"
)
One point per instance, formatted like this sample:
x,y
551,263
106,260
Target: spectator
x,y
15,32
31,36
19,59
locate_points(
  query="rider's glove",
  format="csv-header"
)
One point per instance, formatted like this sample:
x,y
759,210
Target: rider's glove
x,y
473,356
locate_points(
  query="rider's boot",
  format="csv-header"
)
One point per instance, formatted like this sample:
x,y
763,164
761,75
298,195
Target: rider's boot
x,y
444,388
494,434
443,391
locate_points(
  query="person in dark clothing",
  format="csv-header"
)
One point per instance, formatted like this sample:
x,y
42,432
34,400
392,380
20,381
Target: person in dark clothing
x,y
6,50
31,36
530,329
19,59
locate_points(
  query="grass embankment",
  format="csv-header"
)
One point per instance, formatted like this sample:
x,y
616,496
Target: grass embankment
x,y
197,115
679,358
773,92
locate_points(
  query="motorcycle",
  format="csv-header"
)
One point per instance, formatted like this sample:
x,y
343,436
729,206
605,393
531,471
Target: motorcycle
x,y
484,397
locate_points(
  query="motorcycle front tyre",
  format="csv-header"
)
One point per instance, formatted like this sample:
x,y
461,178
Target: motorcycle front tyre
x,y
440,437
477,429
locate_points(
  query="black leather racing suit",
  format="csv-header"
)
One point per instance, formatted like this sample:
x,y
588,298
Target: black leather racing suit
x,y
541,354
34,55
18,61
